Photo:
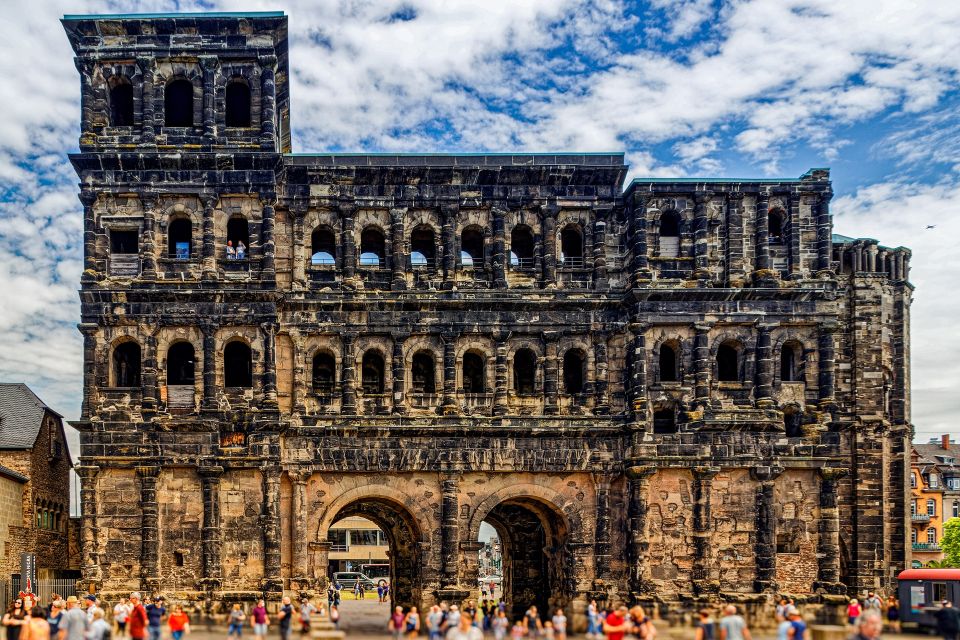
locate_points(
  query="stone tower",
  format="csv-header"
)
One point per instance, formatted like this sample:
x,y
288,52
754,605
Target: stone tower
x,y
653,394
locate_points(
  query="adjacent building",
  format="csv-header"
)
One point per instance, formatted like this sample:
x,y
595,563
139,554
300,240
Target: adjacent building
x,y
356,544
935,496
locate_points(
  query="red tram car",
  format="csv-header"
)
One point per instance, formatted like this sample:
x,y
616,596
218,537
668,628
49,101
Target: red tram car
x,y
922,590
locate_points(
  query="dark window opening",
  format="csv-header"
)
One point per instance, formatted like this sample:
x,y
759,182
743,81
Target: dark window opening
x,y
787,543
473,373
180,364
179,239
372,248
124,241
238,238
665,420
471,247
324,373
372,370
323,246
791,367
178,558
793,424
571,246
121,104
668,363
574,371
524,372
424,373
670,234
238,104
521,247
178,104
126,365
237,365
775,227
422,247
728,363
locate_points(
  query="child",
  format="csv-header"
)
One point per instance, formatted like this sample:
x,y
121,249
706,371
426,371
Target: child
x,y
548,630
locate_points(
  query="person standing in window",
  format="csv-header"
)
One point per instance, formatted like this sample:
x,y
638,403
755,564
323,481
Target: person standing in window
x,y
231,252
241,250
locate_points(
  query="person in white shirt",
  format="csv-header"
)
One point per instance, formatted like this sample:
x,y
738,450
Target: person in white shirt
x,y
465,630
120,614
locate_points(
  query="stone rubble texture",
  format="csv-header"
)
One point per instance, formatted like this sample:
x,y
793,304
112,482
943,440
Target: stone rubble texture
x,y
230,493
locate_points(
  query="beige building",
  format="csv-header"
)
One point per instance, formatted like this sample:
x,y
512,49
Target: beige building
x,y
356,544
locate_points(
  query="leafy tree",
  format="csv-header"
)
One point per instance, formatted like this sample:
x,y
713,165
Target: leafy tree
x,y
950,542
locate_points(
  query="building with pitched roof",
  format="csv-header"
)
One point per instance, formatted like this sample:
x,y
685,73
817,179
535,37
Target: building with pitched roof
x,y
935,496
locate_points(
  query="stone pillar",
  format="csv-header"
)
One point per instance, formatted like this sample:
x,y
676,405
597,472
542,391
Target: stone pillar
x,y
701,248
268,102
348,242
701,365
89,199
449,529
638,373
271,529
548,218
735,271
828,538
147,131
764,388
638,238
298,212
601,543
448,219
89,532
449,406
209,249
551,374
872,257
499,250
149,532
148,249
500,377
766,531
638,504
792,224
89,331
762,236
209,367
702,487
600,248
269,330
824,233
209,65
399,262
601,402
300,389
298,508
826,365
347,379
210,534
148,380
267,243
399,369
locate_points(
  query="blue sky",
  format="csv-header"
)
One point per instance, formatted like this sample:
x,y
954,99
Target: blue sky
x,y
753,88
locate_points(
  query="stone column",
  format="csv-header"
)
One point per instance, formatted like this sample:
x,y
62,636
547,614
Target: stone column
x,y
89,532
209,250
600,248
638,237
793,237
299,534
500,377
149,528
828,539
638,373
269,330
638,489
89,199
210,534
762,236
209,65
147,131
764,389
148,379
300,387
824,232
449,406
267,243
209,367
551,374
399,379
499,250
148,249
348,242
268,101
601,544
701,365
826,365
735,270
701,248
347,379
399,263
89,331
299,212
448,218
548,218
449,528
271,529
601,402
766,525
702,487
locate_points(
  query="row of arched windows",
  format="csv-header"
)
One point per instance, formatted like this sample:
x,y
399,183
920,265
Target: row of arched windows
x,y
50,516
178,100
670,231
181,364
729,364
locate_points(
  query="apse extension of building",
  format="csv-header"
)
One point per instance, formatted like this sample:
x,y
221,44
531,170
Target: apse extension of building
x,y
656,392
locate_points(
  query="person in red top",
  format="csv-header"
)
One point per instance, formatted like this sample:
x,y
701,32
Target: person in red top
x,y
179,623
137,622
616,625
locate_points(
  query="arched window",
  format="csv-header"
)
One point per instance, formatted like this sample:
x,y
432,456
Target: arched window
x,y
793,423
574,371
668,363
372,248
423,249
178,104
931,507
424,373
728,362
524,371
324,373
121,104
473,373
180,239
237,365
932,535
791,364
372,369
237,103
471,247
775,226
670,234
571,246
521,247
665,420
238,236
126,364
323,246
180,364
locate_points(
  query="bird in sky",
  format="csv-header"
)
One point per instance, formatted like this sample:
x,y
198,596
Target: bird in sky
x,y
931,226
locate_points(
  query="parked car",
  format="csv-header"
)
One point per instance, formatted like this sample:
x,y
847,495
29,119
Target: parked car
x,y
348,579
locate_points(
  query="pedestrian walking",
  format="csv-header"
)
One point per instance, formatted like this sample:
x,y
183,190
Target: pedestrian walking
x,y
121,611
380,593
853,611
531,623
36,626
285,618
179,623
453,618
893,613
155,614
434,620
93,605
733,626
868,626
395,623
640,625
74,622
335,616
331,592
15,618
706,628
616,624
235,622
464,630
499,625
873,602
99,628
306,615
55,617
411,623
559,625
137,622
516,632
798,628
259,620
593,621
948,621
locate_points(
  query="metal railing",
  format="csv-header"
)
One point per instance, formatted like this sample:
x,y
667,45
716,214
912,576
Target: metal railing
x,y
926,546
572,262
920,517
521,264
43,589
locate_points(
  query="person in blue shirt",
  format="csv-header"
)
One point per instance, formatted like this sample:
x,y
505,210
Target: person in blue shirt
x,y
155,613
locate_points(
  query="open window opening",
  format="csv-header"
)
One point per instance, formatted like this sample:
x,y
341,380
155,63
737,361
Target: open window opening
x,y
471,247
524,372
124,242
121,103
237,365
571,246
324,373
665,420
728,362
668,363
574,371
793,422
372,248
473,373
323,247
791,362
238,238
669,234
126,364
423,372
423,248
775,226
372,373
181,364
178,103
521,247
179,239
237,103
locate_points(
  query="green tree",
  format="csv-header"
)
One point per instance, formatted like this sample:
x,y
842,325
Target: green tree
x,y
950,542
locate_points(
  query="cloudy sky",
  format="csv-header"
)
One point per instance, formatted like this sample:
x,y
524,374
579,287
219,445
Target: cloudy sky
x,y
870,88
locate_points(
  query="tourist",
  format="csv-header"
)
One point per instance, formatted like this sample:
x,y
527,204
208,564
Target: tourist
x,y
231,252
155,614
395,623
640,625
93,605
380,593
285,616
74,622
121,611
179,623
548,630
35,626
706,629
868,626
733,626
873,602
331,593
781,610
516,633
363,590
259,620
531,623
798,628
499,625
593,621
453,618
411,623
306,614
15,618
948,621
356,590
471,610
235,622
335,616
55,617
853,611
893,613
137,622
615,625
464,630
241,250
559,625
99,628
434,620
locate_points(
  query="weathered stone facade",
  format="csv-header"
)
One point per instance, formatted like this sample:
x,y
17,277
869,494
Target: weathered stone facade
x,y
685,389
